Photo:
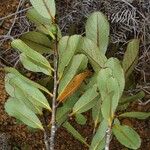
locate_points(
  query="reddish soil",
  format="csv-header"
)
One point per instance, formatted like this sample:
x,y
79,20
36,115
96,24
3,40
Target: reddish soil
x,y
13,135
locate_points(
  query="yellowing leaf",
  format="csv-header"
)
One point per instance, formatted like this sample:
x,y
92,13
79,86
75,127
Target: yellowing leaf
x,y
73,85
77,65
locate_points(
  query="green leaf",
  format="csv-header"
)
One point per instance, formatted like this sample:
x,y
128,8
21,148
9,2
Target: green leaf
x,y
127,136
98,141
67,47
45,8
78,64
89,82
18,88
102,80
96,57
74,132
117,72
36,18
86,101
138,115
18,110
16,92
109,90
97,30
128,99
96,113
80,119
63,112
31,59
130,55
34,84
37,41
43,25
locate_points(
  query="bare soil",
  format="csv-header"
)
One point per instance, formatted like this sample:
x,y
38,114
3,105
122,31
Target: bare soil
x,y
14,136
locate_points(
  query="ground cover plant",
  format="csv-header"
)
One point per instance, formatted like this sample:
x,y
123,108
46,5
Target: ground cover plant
x,y
80,78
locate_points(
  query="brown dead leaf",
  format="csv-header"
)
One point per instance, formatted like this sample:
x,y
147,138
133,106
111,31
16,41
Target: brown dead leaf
x,y
73,85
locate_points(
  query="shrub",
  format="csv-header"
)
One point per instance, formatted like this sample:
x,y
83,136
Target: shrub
x,y
63,92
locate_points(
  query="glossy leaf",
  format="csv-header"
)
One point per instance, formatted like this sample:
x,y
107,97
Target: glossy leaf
x,y
67,47
34,84
86,101
18,88
74,132
31,59
98,141
45,8
37,41
18,110
127,136
96,57
74,84
97,30
78,64
80,119
138,115
130,55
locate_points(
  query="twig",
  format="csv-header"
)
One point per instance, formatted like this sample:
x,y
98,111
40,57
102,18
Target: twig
x,y
53,122
14,21
108,138
18,12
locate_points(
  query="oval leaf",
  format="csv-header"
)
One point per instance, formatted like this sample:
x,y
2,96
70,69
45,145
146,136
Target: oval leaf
x,y
98,141
138,115
36,85
130,56
37,41
109,90
67,47
117,72
18,110
96,113
62,112
74,132
97,30
127,136
80,119
26,91
37,18
78,64
96,57
128,99
86,101
31,59
45,8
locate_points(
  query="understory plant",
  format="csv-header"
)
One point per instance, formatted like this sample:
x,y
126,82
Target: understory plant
x,y
75,77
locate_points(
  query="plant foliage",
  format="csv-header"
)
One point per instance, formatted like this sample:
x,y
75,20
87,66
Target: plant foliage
x,y
87,79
